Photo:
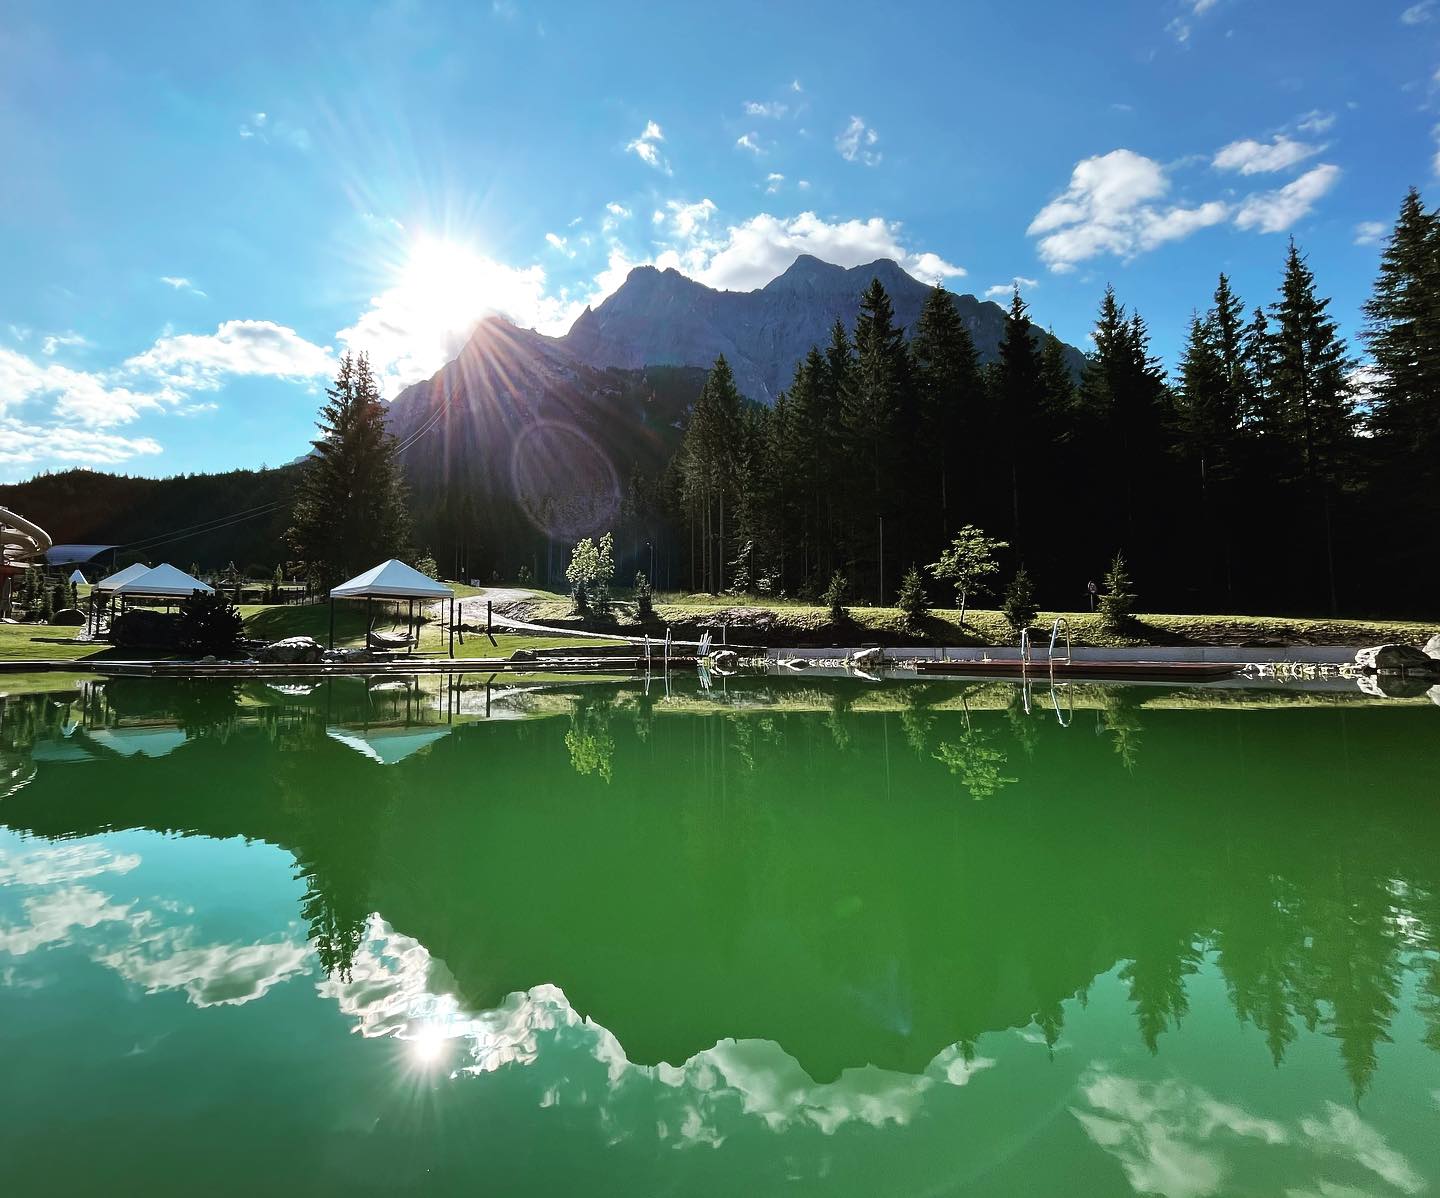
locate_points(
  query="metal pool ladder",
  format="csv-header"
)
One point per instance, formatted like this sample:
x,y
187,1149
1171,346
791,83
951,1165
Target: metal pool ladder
x,y
1050,659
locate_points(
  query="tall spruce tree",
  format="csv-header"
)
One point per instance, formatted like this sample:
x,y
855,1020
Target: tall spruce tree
x,y
1122,399
1313,395
710,463
873,416
1403,334
1017,390
349,509
949,396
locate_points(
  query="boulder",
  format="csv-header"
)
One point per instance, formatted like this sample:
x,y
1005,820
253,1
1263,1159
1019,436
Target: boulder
x,y
1394,685
344,655
70,616
1394,657
293,650
1432,646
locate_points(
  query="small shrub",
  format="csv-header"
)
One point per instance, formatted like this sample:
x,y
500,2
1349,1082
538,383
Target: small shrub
x,y
427,565
525,578
912,601
209,623
1117,604
834,597
1019,606
644,597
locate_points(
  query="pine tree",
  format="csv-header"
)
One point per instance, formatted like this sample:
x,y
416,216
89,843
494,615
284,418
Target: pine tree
x,y
1403,335
349,510
949,393
872,415
912,601
1019,606
709,465
1057,385
1312,393
1017,386
1118,601
1228,328
1206,429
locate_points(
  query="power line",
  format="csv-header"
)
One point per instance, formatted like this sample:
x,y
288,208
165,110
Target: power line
x,y
216,523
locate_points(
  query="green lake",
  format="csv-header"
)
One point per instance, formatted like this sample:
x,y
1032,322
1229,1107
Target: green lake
x,y
775,936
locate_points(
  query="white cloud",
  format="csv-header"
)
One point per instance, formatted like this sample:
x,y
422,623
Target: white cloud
x,y
33,446
614,214
646,147
76,394
197,361
795,86
1316,122
262,127
1418,14
1180,27
772,182
856,143
1003,290
1370,232
753,252
1111,207
559,243
58,341
1275,211
181,284
1255,157
803,184
686,219
769,110
748,141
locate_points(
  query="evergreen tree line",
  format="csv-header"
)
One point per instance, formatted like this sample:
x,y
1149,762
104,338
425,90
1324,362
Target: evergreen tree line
x,y
1267,473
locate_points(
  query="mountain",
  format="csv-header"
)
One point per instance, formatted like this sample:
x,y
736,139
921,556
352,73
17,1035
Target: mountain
x,y
664,318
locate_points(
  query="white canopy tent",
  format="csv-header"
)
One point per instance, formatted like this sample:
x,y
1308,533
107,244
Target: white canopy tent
x,y
78,578
122,577
144,582
162,582
393,580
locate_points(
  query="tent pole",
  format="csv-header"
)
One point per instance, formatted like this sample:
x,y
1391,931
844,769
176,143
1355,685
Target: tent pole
x,y
332,621
452,625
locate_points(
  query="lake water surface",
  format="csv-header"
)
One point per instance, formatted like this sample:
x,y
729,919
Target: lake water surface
x,y
780,937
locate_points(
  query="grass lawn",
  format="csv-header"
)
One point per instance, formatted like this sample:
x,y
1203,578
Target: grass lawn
x,y
274,623
778,623
42,642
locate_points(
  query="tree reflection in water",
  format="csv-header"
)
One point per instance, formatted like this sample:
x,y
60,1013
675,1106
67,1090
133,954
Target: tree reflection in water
x,y
778,857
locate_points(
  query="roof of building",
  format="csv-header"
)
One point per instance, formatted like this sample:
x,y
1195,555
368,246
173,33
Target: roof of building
x,y
69,555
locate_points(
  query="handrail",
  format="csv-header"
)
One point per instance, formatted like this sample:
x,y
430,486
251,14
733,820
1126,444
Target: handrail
x,y
1054,635
1055,702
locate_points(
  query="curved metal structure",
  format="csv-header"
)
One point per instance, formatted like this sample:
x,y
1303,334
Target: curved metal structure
x,y
22,542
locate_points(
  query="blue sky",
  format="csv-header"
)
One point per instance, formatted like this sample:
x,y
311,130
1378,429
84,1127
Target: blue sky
x,y
201,205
